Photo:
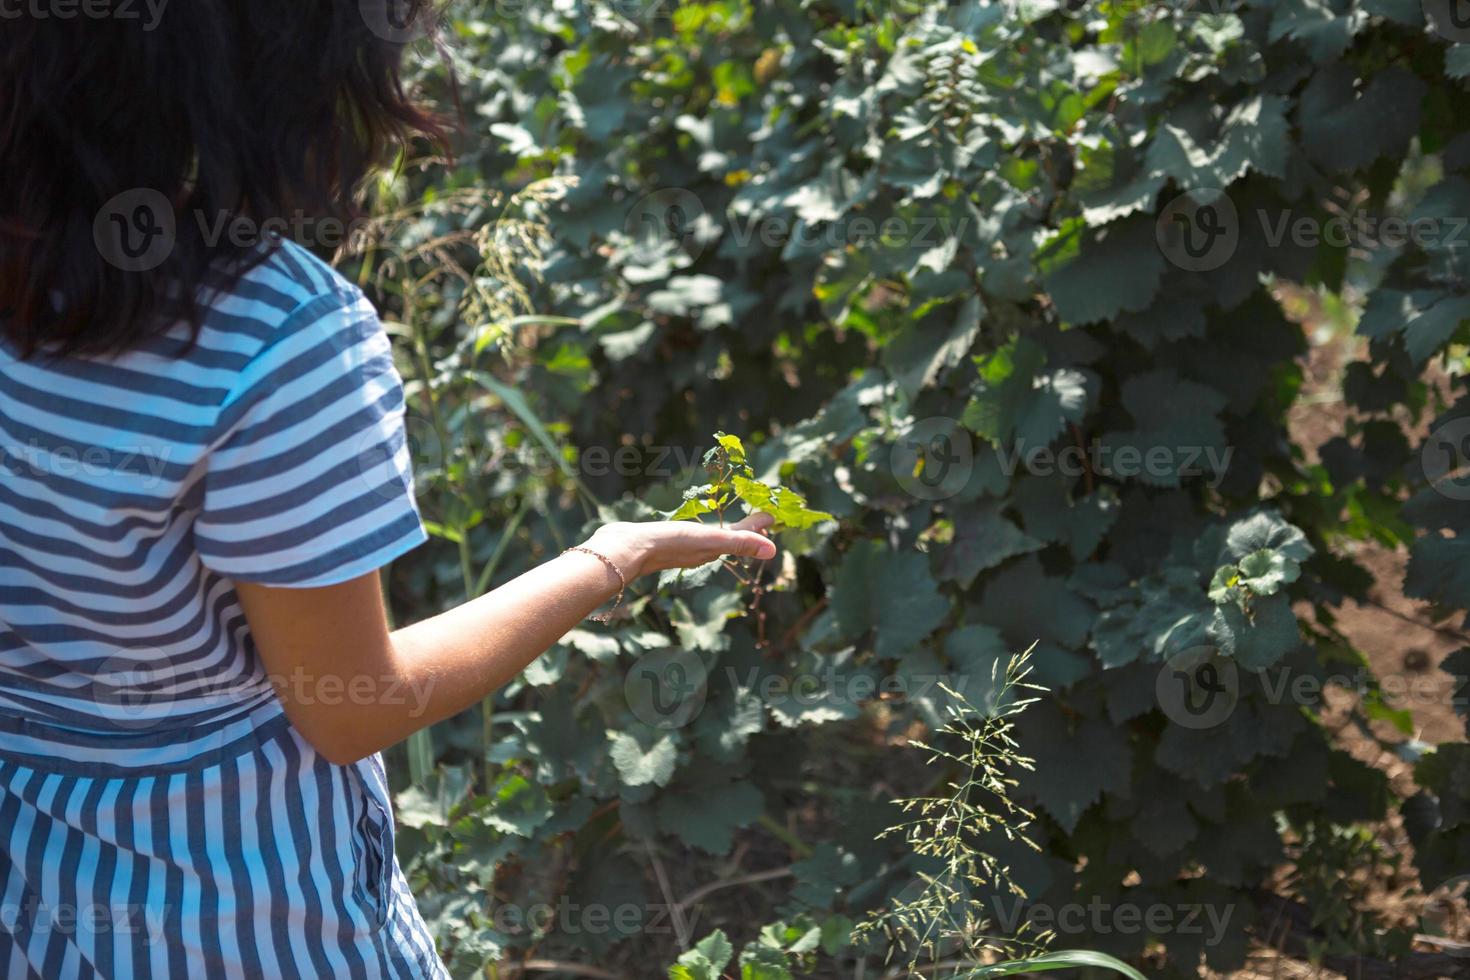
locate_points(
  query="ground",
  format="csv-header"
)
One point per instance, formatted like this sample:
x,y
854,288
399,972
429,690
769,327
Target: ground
x,y
1401,640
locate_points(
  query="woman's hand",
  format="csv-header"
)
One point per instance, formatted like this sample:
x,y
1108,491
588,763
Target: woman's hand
x,y
643,548
450,661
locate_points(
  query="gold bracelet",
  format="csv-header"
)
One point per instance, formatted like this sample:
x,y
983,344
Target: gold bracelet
x,y
622,581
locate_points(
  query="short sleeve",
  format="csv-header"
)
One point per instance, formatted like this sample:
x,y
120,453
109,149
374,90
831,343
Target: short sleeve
x,y
308,481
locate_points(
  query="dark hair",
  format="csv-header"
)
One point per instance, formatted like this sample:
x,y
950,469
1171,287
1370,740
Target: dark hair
x,y
218,114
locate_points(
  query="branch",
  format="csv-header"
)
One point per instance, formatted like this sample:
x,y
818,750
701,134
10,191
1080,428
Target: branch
x,y
704,891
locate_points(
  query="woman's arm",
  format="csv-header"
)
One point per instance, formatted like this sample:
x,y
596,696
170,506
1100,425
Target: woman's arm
x,y
352,688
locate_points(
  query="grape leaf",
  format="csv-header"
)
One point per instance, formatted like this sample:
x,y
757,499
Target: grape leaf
x,y
706,961
983,538
1016,399
1345,126
823,876
708,815
639,767
1096,273
786,505
1257,639
1264,572
1252,137
919,355
1075,765
891,594
1177,431
1425,318
1266,530
1439,570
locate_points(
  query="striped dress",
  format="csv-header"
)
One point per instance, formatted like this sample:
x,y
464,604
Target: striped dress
x,y
159,816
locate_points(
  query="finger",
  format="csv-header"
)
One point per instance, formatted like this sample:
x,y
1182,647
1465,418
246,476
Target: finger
x,y
755,522
748,544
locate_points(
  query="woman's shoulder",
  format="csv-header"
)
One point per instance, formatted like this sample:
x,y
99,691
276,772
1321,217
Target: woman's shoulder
x,y
283,292
286,278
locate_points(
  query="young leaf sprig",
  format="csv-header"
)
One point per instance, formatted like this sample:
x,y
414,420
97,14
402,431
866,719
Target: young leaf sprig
x,y
731,480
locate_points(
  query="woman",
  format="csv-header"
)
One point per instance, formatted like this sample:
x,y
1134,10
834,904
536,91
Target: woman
x,y
204,469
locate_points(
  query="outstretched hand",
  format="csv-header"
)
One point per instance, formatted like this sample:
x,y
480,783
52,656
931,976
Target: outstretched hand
x,y
641,548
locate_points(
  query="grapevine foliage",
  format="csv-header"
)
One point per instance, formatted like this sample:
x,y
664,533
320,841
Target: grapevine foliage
x,y
948,268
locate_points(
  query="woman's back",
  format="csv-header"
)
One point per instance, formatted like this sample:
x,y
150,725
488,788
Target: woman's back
x,y
151,787
138,487
196,670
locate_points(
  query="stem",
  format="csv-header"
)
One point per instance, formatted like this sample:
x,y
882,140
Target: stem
x,y
502,546
466,564
785,836
487,737
420,744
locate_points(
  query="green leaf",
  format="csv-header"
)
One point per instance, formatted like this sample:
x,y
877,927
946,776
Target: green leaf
x,y
763,963
823,877
434,803
1016,399
693,509
1209,756
1174,316
1155,42
1167,614
638,767
1075,763
1457,665
707,817
517,806
1049,512
1426,319
1439,570
786,505
1266,531
1259,638
1316,25
1012,594
1264,572
1094,274
1177,433
836,934
1113,183
1225,585
1457,61
1347,124
1252,137
983,539
1061,960
889,593
918,355
706,961
733,447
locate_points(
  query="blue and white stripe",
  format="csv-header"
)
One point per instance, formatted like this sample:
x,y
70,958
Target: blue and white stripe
x,y
254,858
145,763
